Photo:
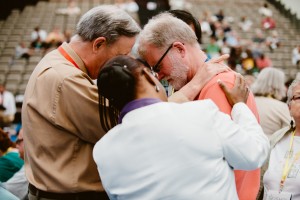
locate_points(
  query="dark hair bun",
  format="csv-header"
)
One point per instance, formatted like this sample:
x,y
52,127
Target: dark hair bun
x,y
116,83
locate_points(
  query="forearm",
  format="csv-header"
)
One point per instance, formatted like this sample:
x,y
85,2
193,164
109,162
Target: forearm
x,y
192,89
178,97
251,140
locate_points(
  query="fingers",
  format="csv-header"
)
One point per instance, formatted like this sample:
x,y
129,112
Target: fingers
x,y
220,58
223,86
242,85
238,79
239,92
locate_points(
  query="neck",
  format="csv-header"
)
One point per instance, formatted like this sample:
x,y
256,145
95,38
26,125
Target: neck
x,y
81,48
149,94
201,57
9,150
148,90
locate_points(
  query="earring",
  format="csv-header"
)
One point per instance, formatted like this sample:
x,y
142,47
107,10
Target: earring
x,y
292,124
157,88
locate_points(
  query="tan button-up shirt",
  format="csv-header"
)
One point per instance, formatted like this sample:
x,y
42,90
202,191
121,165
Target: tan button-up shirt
x,y
61,125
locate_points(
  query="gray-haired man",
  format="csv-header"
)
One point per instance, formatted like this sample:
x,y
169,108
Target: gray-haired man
x,y
60,109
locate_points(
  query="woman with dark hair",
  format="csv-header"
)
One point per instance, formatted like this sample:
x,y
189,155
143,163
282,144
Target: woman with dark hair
x,y
10,161
160,150
192,21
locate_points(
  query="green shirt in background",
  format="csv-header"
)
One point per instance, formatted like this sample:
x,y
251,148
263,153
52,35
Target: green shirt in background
x,y
10,163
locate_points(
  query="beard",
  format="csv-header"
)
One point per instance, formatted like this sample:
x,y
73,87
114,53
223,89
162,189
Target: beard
x,y
179,72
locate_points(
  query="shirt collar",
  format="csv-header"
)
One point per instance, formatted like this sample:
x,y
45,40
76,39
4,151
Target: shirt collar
x,y
135,104
74,56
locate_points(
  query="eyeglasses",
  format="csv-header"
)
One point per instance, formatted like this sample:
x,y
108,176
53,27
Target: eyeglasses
x,y
156,67
18,141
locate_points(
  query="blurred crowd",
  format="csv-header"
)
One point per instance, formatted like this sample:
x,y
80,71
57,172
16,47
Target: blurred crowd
x,y
66,77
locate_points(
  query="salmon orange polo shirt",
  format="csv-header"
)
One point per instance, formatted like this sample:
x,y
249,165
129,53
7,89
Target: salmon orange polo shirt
x,y
247,182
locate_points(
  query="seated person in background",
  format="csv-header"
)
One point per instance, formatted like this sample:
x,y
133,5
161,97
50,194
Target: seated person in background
x,y
220,15
296,55
129,6
38,37
248,62
268,23
171,151
205,22
263,61
282,178
245,24
273,41
7,106
269,89
259,36
232,39
10,161
213,49
72,9
258,43
22,51
55,38
18,184
265,10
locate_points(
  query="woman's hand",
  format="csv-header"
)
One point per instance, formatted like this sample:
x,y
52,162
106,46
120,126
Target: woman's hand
x,y
239,92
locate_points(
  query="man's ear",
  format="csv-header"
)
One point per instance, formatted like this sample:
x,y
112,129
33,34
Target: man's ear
x,y
180,48
150,78
98,43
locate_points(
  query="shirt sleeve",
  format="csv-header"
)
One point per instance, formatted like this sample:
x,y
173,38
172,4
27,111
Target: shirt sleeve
x,y
76,108
244,144
216,94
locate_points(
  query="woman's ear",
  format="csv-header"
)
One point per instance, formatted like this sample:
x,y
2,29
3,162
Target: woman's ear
x,y
149,76
98,43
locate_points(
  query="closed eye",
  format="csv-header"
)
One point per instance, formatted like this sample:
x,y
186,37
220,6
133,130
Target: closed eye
x,y
296,98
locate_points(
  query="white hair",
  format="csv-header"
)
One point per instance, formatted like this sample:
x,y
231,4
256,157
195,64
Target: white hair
x,y
164,29
291,88
270,82
107,21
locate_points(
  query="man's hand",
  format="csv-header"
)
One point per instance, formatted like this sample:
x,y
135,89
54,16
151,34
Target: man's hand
x,y
239,92
211,68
